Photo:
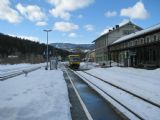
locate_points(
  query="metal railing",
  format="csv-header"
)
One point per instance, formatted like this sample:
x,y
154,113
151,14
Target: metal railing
x,y
15,73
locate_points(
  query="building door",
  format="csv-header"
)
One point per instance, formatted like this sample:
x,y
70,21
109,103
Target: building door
x,y
133,61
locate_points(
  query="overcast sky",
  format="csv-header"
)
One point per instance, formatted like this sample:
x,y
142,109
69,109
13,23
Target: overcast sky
x,y
73,21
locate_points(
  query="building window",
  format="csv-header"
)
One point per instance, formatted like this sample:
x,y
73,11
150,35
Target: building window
x,y
159,36
127,32
152,38
133,43
154,55
155,37
147,40
130,43
142,40
118,46
125,44
136,42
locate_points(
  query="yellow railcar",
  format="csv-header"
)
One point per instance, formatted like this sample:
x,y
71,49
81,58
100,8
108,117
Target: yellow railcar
x,y
74,61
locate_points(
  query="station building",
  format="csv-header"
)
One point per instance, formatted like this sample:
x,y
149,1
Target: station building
x,y
139,49
102,42
91,56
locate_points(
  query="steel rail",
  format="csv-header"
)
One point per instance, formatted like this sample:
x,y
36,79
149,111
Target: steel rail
x,y
127,108
127,91
88,115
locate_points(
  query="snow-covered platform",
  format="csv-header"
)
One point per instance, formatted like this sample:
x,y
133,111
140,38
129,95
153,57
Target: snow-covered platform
x,y
42,95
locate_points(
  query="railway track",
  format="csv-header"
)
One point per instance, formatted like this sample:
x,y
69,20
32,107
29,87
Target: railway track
x,y
127,91
121,90
90,100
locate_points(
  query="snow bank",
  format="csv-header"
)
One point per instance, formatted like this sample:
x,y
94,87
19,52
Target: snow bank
x,y
42,95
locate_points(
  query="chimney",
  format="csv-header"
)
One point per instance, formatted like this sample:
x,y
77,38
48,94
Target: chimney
x,y
117,26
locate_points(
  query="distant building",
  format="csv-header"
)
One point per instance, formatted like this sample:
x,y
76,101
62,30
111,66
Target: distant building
x,y
102,42
90,56
139,49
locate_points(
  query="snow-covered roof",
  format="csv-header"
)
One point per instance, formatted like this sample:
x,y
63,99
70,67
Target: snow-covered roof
x,y
133,35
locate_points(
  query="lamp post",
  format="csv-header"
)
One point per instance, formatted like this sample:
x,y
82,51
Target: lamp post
x,y
47,45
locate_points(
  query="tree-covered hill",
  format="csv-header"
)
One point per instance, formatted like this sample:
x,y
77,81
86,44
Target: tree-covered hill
x,y
15,50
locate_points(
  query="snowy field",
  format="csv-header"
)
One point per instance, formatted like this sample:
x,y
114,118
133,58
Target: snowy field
x,y
42,95
144,83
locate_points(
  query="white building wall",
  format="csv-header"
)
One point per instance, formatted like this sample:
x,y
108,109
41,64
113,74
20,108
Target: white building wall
x,y
102,42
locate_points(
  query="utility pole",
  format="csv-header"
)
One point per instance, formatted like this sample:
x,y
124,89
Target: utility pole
x,y
47,46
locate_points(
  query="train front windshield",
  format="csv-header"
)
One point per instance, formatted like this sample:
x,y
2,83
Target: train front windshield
x,y
74,59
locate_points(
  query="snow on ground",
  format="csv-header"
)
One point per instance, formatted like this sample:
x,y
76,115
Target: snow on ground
x,y
42,95
145,83
142,82
88,65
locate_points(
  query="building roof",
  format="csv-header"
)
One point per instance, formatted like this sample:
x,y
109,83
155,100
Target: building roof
x,y
138,33
115,29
